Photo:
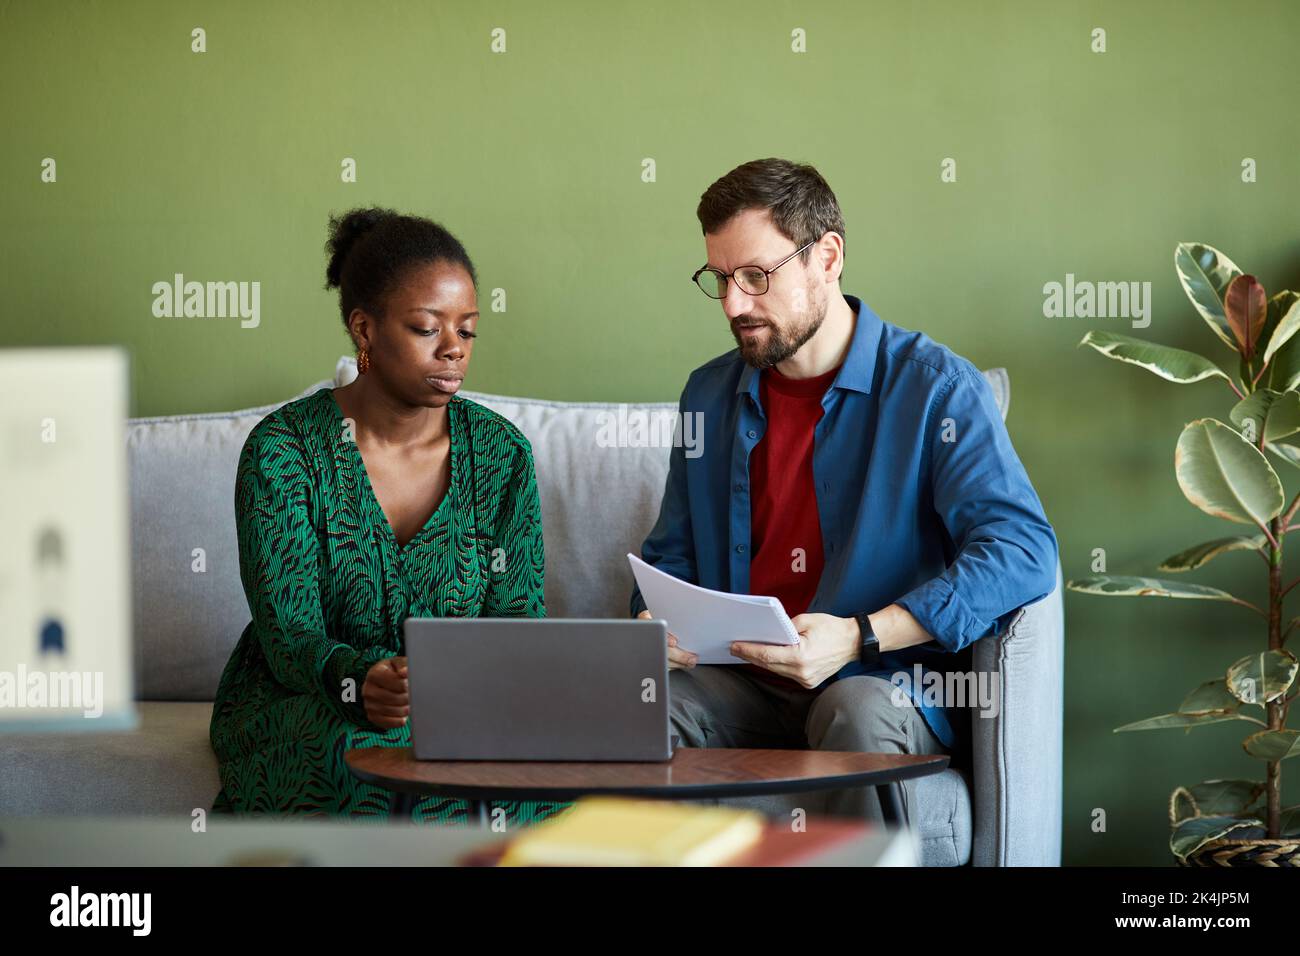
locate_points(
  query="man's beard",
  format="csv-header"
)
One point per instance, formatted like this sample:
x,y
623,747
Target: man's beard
x,y
780,344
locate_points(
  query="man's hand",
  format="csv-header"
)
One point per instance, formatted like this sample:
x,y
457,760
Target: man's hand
x,y
677,657
826,643
386,693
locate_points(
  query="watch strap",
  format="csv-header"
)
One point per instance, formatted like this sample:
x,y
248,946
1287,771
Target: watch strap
x,y
869,648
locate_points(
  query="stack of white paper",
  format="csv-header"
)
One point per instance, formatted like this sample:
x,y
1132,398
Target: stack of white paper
x,y
706,622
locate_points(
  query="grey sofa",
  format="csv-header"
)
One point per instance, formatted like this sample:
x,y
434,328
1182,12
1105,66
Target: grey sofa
x,y
1001,805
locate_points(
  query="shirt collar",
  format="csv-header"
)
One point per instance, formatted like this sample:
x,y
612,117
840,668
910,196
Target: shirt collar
x,y
859,364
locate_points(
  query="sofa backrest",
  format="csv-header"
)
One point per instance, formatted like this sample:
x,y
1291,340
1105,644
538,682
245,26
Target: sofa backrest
x,y
600,496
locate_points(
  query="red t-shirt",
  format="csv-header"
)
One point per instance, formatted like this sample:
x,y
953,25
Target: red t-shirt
x,y
785,532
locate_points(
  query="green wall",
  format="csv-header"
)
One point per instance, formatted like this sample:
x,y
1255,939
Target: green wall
x,y
224,165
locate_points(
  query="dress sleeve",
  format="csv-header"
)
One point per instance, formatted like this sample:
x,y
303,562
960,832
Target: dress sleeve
x,y
517,559
280,561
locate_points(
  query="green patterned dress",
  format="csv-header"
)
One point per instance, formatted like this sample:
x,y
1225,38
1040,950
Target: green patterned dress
x,y
328,589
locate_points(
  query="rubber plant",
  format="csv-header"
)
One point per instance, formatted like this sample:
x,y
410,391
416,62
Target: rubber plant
x,y
1223,469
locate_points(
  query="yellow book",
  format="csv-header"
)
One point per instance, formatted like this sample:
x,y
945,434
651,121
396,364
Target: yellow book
x,y
619,831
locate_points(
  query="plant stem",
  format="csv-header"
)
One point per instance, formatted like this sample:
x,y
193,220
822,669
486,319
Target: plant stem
x,y
1273,782
1258,610
1287,515
1272,540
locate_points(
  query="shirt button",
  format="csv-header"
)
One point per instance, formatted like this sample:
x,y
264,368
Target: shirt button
x,y
740,487
740,549
751,433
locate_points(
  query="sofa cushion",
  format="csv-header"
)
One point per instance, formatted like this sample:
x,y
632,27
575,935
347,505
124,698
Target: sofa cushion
x,y
165,765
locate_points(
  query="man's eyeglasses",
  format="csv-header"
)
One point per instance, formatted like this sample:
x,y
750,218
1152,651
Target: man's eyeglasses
x,y
751,279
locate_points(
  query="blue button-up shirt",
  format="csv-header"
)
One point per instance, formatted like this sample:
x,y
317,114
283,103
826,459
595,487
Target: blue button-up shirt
x,y
921,497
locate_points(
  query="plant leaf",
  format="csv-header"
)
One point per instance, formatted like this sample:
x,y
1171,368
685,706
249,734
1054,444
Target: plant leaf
x,y
1270,413
1205,273
1211,697
1175,365
1226,476
1289,821
1181,806
1180,721
1192,834
1284,318
1283,417
1213,798
1217,798
1273,744
1272,319
1288,453
1246,306
1260,678
1121,585
1199,554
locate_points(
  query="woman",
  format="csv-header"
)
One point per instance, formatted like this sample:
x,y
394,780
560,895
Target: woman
x,y
357,507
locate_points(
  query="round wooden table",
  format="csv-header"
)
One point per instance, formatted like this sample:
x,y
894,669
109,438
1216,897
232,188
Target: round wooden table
x,y
692,773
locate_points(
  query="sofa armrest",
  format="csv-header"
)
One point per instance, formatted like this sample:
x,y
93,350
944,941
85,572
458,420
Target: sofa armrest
x,y
1017,754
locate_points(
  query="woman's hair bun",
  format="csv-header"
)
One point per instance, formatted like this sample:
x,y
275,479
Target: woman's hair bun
x,y
344,231
372,251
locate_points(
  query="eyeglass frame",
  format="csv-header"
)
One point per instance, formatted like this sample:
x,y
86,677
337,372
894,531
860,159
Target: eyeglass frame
x,y
727,276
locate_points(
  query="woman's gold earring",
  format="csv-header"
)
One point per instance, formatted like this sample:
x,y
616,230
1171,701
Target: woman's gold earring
x,y
363,361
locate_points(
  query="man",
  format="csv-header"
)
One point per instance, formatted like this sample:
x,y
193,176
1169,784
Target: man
x,y
859,472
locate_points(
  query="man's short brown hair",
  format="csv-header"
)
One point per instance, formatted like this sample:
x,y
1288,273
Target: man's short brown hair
x,y
802,205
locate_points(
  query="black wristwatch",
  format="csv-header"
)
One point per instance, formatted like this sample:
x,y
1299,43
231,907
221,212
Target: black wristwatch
x,y
869,651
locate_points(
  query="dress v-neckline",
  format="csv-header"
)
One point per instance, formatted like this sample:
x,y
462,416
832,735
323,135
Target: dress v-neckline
x,y
359,463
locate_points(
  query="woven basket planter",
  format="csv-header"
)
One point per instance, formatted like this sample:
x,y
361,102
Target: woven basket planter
x,y
1257,852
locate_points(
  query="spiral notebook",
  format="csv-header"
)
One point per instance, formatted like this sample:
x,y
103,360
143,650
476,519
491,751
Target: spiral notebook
x,y
705,621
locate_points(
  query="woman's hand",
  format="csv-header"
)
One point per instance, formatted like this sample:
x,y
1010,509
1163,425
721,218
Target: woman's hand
x,y
386,693
677,656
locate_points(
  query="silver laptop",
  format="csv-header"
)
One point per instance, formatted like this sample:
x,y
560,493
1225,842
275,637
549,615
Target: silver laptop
x,y
538,689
